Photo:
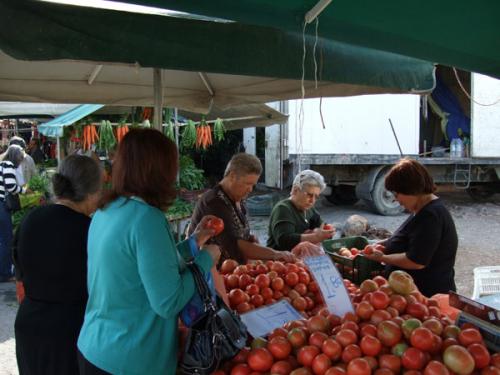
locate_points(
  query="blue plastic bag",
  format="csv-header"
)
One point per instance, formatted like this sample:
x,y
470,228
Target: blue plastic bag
x,y
194,308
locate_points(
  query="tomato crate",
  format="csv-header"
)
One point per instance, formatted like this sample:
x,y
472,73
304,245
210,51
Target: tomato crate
x,y
356,269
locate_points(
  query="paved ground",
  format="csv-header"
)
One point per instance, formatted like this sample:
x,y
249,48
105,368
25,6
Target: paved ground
x,y
478,227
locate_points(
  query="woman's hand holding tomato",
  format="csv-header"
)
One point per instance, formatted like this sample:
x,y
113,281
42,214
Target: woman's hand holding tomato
x,y
208,227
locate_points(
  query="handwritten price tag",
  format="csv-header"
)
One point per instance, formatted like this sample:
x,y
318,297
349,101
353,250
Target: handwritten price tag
x,y
264,320
330,283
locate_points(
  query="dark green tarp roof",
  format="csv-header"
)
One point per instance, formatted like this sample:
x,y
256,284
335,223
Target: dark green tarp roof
x,y
460,33
34,30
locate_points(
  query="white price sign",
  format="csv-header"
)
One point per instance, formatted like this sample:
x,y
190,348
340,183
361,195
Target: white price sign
x,y
264,320
330,283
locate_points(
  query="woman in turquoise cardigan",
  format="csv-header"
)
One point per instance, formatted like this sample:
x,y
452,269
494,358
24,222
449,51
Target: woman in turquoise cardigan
x,y
137,279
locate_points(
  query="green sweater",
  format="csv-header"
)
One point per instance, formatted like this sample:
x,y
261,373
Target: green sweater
x,y
137,285
287,223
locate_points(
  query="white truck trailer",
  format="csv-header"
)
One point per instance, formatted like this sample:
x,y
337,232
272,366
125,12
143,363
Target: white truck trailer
x,y
357,146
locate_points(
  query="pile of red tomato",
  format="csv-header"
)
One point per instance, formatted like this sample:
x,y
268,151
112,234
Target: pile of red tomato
x,y
393,330
261,283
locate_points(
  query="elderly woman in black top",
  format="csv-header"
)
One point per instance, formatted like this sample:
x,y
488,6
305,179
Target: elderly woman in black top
x,y
54,272
226,200
425,245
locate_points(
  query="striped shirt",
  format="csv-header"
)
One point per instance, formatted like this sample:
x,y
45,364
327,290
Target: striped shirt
x,y
8,179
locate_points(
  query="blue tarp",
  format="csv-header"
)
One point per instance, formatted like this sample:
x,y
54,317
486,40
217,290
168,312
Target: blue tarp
x,y
54,128
448,102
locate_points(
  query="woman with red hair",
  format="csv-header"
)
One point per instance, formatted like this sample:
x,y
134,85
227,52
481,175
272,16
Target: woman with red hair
x,y
137,279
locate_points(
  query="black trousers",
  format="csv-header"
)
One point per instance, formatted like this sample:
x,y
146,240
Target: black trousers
x,y
87,368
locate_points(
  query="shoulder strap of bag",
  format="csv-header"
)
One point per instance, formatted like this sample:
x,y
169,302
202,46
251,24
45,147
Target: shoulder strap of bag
x,y
202,286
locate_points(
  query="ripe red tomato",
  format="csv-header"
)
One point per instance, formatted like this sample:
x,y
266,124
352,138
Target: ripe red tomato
x,y
260,359
242,355
279,347
327,227
244,281
434,325
332,349
281,368
389,333
495,360
346,337
257,300
490,370
241,369
237,296
304,277
458,360
277,283
350,352
413,359
370,345
278,267
306,354
317,338
379,316
391,362
216,224
299,303
398,302
232,281
365,310
267,293
349,324
418,310
469,336
318,323
422,338
480,354
358,366
436,368
368,329
297,337
301,289
228,266
292,279
262,281
336,370
379,300
252,289
383,371
278,332
320,364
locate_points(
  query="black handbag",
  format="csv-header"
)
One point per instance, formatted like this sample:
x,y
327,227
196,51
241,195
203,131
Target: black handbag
x,y
12,202
218,335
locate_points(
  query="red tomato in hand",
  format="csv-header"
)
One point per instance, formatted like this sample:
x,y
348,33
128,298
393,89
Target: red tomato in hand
x,y
327,227
216,224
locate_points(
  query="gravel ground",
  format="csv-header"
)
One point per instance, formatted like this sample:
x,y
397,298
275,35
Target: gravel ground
x,y
478,226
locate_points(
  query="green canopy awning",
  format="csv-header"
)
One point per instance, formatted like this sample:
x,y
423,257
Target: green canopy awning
x,y
61,32
460,33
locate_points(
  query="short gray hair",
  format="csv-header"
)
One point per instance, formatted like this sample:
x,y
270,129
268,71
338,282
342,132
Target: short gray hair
x,y
244,164
14,154
77,177
309,178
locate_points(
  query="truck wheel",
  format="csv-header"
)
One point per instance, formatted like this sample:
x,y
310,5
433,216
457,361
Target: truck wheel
x,y
383,201
342,195
480,193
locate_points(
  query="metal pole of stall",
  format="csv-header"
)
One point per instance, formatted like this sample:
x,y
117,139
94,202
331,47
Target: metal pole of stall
x,y
158,98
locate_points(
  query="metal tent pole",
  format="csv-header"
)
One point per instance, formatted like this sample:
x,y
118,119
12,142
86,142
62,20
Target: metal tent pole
x,y
158,98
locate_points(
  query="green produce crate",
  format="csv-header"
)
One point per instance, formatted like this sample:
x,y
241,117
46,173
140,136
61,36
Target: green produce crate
x,y
358,269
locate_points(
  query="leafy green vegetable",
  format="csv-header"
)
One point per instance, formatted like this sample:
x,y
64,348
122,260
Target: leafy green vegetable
x,y
190,177
39,183
189,135
219,129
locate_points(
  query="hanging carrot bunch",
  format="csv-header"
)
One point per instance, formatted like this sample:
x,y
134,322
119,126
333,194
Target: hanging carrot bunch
x,y
121,130
203,135
90,136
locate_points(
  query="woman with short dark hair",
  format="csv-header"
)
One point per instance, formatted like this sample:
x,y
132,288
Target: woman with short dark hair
x,y
54,270
9,161
425,245
137,279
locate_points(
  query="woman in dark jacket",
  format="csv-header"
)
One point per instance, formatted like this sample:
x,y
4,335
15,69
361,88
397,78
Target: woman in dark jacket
x,y
54,270
425,245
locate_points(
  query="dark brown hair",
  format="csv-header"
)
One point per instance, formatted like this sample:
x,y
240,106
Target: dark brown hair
x,y
145,165
409,177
